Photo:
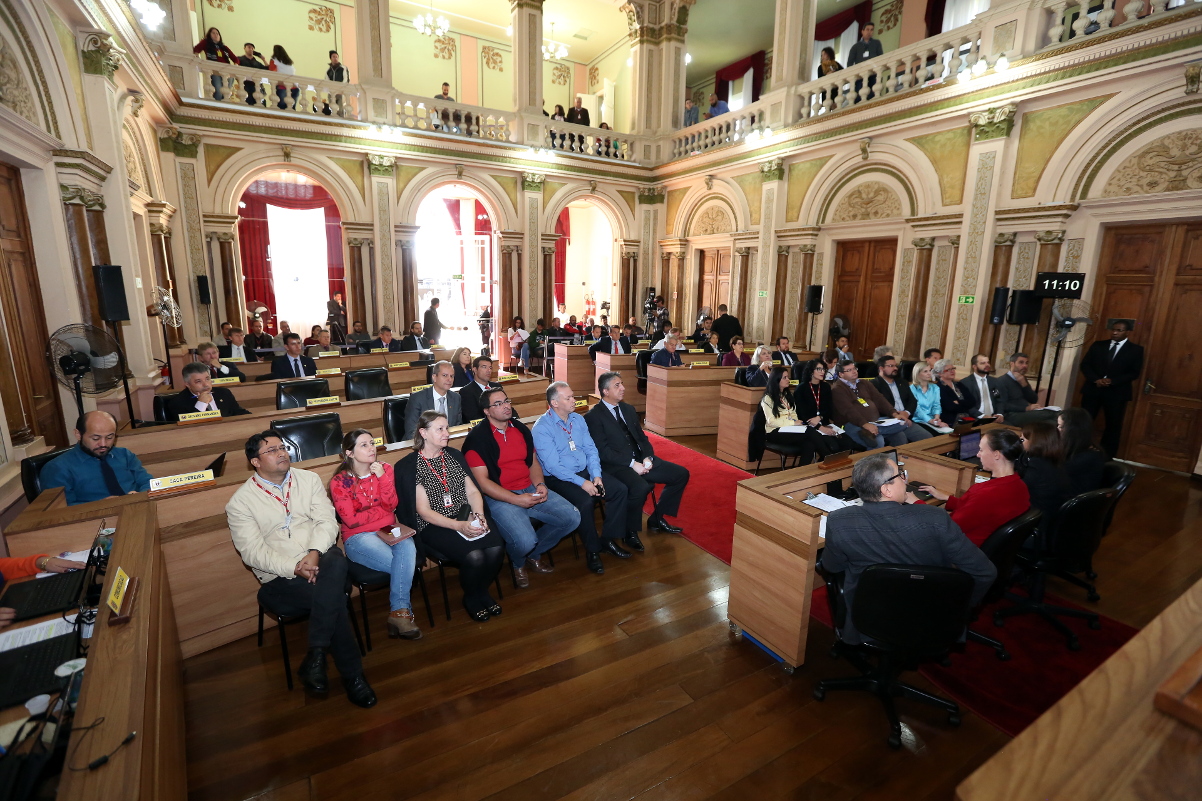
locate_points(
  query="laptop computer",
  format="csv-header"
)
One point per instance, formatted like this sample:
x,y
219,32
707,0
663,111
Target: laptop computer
x,y
44,596
29,670
970,444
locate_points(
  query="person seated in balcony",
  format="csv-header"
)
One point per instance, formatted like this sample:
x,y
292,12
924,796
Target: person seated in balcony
x,y
717,107
281,62
251,59
692,114
827,63
215,50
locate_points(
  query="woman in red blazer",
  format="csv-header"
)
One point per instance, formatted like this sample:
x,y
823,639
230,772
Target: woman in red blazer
x,y
985,507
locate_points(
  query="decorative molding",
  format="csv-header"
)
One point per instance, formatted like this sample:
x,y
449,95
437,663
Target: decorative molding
x,y
80,165
1049,237
937,299
80,196
864,145
183,145
387,275
714,220
160,229
321,19
977,222
100,56
871,200
220,236
136,102
923,243
190,206
1172,163
560,74
742,251
492,59
807,248
993,123
954,241
1072,256
652,195
533,181
381,166
548,251
782,250
1193,76
1004,239
904,284
288,153
444,48
357,242
773,170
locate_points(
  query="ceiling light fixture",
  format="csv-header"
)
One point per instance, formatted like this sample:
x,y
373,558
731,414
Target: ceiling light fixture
x,y
688,59
426,23
554,49
150,14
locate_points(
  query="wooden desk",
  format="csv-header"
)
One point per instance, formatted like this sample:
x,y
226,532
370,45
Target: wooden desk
x,y
258,395
736,410
683,400
776,543
1104,741
946,443
572,364
623,364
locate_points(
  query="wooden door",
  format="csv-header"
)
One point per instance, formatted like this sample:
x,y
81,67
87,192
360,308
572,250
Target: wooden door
x,y
713,283
863,291
1153,274
27,385
722,293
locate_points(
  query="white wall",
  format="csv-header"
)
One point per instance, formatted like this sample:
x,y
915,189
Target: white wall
x,y
591,255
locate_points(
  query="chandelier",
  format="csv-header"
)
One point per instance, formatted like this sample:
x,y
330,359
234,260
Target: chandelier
x,y
428,25
148,12
554,49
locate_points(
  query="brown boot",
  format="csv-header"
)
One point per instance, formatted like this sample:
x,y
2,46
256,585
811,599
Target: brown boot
x,y
520,578
542,565
402,626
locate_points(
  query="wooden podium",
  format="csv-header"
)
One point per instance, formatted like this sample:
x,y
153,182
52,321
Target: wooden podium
x,y
736,410
572,364
684,400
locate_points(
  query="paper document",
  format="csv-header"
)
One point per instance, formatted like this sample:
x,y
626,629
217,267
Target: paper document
x,y
822,527
792,429
1049,408
981,479
15,638
887,421
834,428
826,503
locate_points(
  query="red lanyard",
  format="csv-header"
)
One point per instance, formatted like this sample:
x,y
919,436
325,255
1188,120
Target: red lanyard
x,y
282,502
445,472
816,393
559,423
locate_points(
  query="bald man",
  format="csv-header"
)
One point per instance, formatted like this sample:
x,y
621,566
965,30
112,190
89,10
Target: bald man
x,y
96,468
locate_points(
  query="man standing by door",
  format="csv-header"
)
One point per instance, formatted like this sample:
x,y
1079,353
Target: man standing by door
x,y
1110,368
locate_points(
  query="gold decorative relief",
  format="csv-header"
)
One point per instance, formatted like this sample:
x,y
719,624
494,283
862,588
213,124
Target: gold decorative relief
x,y
560,74
594,76
14,91
713,220
1172,163
491,57
444,47
321,19
223,5
871,200
891,15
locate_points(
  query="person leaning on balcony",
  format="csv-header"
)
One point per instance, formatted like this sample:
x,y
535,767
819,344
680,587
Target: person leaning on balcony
x,y
866,48
827,63
445,94
577,115
215,50
692,114
281,62
717,107
251,59
339,73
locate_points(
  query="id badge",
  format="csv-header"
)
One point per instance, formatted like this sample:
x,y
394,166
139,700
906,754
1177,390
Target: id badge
x,y
446,501
288,524
571,445
862,401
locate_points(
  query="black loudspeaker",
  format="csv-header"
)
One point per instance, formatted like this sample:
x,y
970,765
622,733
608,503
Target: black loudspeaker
x,y
1025,307
997,310
110,292
202,289
813,300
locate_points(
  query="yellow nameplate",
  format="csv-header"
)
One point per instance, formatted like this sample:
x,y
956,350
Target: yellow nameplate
x,y
696,350
229,379
459,429
399,364
794,383
322,401
419,388
378,442
196,417
330,371
117,591
477,420
234,360
776,362
379,350
699,364
590,342
510,377
323,353
581,403
181,480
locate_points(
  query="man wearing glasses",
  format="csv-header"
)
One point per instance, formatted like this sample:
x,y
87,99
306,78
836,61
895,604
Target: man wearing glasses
x,y
284,527
863,411
887,530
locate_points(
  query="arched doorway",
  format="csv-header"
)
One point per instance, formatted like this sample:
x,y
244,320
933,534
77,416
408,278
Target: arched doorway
x,y
290,239
455,246
585,280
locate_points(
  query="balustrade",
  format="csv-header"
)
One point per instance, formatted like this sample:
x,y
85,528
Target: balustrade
x,y
1090,23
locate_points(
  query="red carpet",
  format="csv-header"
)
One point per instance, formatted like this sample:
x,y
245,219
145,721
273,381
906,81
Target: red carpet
x,y
707,513
1041,670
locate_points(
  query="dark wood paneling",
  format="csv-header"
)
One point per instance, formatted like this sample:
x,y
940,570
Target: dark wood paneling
x,y
864,290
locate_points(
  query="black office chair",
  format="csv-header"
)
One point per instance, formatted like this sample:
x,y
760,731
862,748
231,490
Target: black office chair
x,y
310,436
905,369
31,472
907,614
1118,477
1066,551
370,382
160,408
740,376
1002,548
757,443
365,579
394,418
867,369
641,360
296,394
286,620
443,562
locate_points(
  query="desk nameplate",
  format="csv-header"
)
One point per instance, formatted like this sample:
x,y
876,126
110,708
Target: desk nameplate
x,y
199,417
325,354
330,371
228,379
168,485
331,400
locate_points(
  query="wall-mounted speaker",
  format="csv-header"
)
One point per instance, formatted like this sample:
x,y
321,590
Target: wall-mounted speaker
x,y
202,289
997,310
110,292
1025,307
813,304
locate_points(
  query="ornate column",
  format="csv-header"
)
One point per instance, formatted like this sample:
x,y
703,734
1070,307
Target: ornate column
x,y
220,238
999,269
88,242
665,275
547,248
359,287
741,303
373,68
385,250
407,263
526,19
628,291
164,261
801,332
780,292
1047,260
793,38
946,301
509,291
924,248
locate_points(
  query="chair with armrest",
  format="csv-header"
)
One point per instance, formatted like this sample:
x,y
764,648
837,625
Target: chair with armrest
x,y
394,418
296,394
907,614
641,360
368,382
757,443
867,369
1002,548
1066,550
310,436
31,472
160,407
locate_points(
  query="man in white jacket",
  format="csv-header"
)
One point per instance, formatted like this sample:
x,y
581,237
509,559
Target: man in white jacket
x,y
285,529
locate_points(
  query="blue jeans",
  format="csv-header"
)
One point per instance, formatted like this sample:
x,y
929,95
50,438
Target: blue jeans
x,y
559,517
894,435
398,561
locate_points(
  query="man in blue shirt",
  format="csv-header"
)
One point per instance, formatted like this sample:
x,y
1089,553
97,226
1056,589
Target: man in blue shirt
x,y
692,114
717,107
96,468
668,357
572,469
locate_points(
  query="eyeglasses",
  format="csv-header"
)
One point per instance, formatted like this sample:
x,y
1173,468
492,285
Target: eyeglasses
x,y
270,451
506,402
902,474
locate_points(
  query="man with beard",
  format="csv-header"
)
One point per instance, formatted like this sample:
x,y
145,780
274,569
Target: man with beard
x,y
96,468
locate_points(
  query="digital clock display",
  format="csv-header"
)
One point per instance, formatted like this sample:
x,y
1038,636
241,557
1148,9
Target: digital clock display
x,y
1059,285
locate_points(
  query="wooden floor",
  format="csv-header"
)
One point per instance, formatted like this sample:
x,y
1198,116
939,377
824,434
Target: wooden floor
x,y
620,686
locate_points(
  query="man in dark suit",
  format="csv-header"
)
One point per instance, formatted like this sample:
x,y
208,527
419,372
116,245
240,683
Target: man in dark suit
x,y
258,338
200,395
897,392
1110,368
727,326
783,354
209,354
238,348
336,318
667,356
626,453
385,340
863,50
888,530
415,340
702,335
469,396
981,388
431,323
293,364
438,396
577,114
1018,403
613,342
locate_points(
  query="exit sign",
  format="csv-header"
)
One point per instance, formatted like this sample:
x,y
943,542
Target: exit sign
x,y
456,277
966,299
763,293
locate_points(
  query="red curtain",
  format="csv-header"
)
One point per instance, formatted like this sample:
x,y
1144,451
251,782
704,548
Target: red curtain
x,y
934,16
732,72
831,27
253,238
563,227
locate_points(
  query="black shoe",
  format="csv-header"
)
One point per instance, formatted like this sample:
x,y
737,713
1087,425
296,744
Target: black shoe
x,y
592,560
617,550
664,526
633,542
359,692
312,672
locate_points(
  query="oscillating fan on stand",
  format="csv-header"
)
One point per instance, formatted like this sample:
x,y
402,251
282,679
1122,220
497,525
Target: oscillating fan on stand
x,y
840,327
167,310
86,360
1070,324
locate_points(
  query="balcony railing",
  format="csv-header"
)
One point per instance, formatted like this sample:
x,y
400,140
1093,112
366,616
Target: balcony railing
x,y
1101,20
744,125
448,117
585,140
244,87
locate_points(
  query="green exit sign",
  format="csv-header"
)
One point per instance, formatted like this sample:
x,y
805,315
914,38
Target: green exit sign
x,y
763,293
966,299
456,277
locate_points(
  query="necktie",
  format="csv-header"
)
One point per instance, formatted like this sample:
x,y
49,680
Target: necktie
x,y
1114,349
634,443
617,346
110,478
986,401
296,370
441,404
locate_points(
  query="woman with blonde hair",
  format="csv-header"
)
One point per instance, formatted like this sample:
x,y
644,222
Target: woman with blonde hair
x,y
926,392
761,365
